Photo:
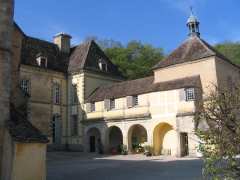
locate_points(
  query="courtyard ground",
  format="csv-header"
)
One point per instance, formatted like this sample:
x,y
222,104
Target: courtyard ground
x,y
81,166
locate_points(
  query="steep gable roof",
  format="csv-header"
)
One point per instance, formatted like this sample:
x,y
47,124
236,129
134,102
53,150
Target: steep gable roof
x,y
86,57
194,48
141,86
31,47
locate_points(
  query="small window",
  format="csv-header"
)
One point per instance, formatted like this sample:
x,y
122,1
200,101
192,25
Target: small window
x,y
56,93
93,107
112,103
25,86
190,94
74,125
135,100
74,94
102,65
42,61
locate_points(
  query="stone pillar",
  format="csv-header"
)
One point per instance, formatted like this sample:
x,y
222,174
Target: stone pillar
x,y
6,26
178,154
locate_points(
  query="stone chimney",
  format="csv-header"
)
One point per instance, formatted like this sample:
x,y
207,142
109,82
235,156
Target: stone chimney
x,y
63,41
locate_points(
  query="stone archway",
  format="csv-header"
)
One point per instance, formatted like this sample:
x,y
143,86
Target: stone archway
x,y
164,140
137,136
115,139
93,141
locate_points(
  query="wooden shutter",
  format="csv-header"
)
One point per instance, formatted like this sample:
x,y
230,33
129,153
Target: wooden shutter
x,y
107,104
129,101
58,130
182,95
88,107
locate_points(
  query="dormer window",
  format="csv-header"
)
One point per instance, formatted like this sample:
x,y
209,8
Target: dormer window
x,y
102,65
42,61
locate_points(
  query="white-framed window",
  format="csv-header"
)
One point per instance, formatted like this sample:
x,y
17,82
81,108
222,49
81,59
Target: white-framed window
x,y
135,100
112,103
25,85
74,129
42,61
190,94
56,93
102,65
93,107
74,94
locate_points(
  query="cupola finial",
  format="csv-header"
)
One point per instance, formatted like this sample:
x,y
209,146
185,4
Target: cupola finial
x,y
193,24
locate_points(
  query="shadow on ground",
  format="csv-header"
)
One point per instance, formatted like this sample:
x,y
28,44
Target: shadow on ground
x,y
79,166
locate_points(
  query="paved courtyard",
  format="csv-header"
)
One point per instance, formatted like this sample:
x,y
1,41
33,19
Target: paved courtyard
x,y
80,166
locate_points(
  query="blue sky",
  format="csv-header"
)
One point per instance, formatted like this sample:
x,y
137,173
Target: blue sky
x,y
161,23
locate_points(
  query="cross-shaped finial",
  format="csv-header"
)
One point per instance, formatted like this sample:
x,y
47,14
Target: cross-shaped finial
x,y
191,9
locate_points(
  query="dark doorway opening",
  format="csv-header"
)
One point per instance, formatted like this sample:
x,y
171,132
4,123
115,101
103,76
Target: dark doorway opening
x,y
184,144
92,141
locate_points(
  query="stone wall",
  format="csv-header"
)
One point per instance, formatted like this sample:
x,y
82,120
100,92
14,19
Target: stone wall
x,y
6,24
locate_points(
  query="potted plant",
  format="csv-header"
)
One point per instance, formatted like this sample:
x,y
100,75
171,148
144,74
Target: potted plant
x,y
124,150
147,150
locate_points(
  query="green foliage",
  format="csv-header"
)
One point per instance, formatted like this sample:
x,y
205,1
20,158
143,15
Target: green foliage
x,y
136,59
231,50
221,140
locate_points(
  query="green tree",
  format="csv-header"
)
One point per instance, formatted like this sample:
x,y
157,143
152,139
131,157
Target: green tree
x,y
135,60
221,139
231,50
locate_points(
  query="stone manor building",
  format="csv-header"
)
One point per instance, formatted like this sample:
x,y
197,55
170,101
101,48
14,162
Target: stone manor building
x,y
80,100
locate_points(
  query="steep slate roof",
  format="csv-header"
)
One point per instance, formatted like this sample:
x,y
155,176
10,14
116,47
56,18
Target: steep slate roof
x,y
86,57
31,47
194,48
21,130
141,86
82,57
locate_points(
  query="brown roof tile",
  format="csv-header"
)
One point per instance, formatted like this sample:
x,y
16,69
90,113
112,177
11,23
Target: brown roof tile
x,y
192,49
31,47
86,57
141,86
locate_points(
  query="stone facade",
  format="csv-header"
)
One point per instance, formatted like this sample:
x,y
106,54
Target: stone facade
x,y
95,109
19,139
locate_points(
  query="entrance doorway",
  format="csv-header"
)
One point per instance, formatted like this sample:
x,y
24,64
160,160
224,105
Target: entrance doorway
x,y
164,140
115,139
137,137
184,144
56,129
92,144
93,140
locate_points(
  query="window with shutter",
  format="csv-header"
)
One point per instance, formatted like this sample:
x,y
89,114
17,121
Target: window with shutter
x,y
135,100
182,95
112,103
129,101
74,94
107,104
25,86
88,107
74,125
92,107
56,93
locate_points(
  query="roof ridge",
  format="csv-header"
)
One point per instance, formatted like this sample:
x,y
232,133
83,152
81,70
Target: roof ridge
x,y
42,40
88,43
123,82
206,45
